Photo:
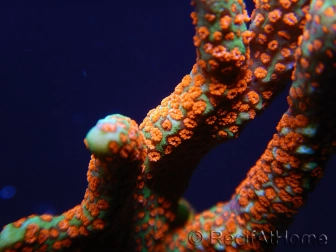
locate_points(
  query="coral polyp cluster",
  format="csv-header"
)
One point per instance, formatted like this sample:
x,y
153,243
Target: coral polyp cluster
x,y
137,176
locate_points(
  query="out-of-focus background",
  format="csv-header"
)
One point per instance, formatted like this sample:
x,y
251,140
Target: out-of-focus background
x,y
64,66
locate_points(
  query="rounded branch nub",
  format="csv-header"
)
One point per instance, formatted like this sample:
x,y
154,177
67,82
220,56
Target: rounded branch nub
x,y
116,138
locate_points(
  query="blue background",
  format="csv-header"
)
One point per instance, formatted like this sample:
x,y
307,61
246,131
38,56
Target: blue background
x,y
63,67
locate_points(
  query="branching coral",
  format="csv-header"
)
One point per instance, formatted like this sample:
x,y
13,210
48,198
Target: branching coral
x,y
237,74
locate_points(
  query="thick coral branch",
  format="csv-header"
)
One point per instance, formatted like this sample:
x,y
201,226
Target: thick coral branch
x,y
274,31
277,186
118,151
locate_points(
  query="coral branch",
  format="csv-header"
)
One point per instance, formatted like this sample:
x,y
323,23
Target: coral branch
x,y
136,177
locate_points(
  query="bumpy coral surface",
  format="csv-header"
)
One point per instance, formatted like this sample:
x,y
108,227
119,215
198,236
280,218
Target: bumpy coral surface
x,y
137,175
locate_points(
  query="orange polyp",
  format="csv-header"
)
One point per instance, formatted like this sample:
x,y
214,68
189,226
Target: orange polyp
x,y
63,225
290,19
284,34
27,249
317,44
234,129
273,45
268,28
93,209
217,35
73,231
108,127
222,133
225,22
42,236
279,67
151,222
186,134
285,52
154,156
318,4
229,36
259,19
57,245
46,217
113,147
210,17
203,32
329,53
280,208
103,204
83,231
253,97
239,19
195,91
53,233
166,124
98,224
66,243
156,134
286,4
265,58
260,72
319,68
194,18
199,107
19,223
174,140
31,232
275,15
94,183
123,137
176,114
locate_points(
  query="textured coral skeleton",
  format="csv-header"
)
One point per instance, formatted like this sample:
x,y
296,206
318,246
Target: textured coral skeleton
x,y
238,73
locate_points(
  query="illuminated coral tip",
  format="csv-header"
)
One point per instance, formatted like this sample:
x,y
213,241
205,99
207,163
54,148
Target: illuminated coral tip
x,y
111,134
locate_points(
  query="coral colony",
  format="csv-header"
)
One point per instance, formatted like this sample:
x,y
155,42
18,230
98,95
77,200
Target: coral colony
x,y
137,175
